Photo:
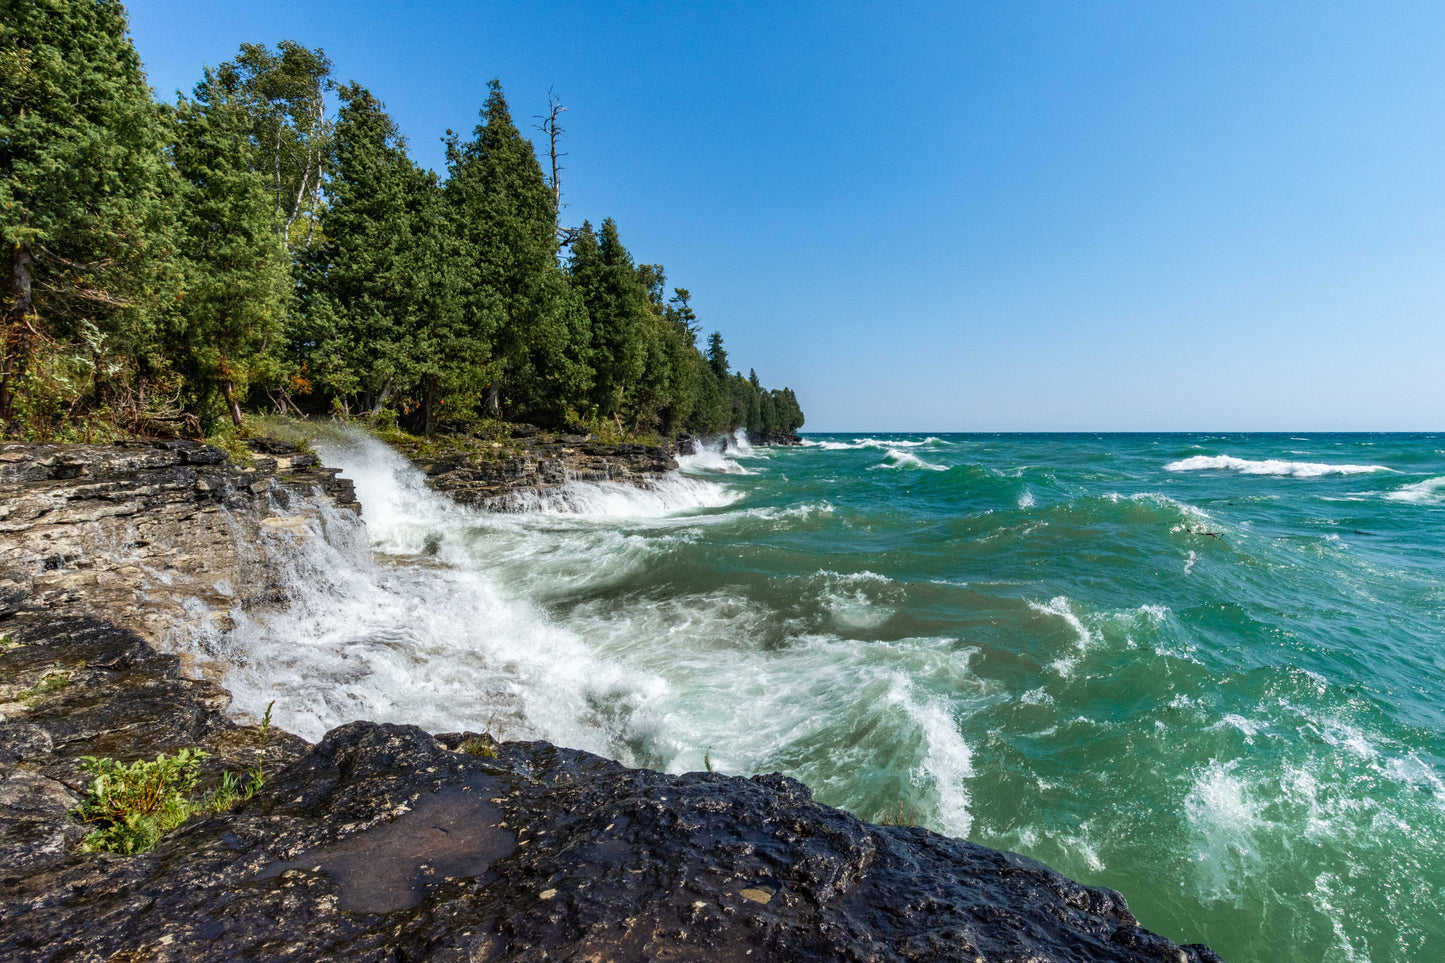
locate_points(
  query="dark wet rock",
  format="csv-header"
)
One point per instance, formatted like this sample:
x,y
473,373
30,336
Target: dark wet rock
x,y
382,843
508,474
761,438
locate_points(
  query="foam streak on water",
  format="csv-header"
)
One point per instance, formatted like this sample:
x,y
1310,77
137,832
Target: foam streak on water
x,y
1202,669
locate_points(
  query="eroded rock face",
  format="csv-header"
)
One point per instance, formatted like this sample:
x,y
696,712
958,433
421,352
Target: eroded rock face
x,y
502,476
139,530
383,843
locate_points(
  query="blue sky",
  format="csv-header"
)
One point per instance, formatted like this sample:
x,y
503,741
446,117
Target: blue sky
x,y
972,216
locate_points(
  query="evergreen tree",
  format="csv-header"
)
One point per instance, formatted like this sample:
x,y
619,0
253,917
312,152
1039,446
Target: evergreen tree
x,y
356,289
617,304
237,288
717,358
513,296
83,187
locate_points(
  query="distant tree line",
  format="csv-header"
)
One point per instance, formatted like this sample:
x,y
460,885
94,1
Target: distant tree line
x,y
174,265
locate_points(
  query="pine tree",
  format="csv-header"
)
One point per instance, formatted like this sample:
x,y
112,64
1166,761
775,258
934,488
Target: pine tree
x,y
354,286
717,358
617,304
83,186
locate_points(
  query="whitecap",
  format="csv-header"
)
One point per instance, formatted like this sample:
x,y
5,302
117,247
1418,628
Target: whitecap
x,y
1226,817
1269,466
947,760
1083,638
1431,491
906,459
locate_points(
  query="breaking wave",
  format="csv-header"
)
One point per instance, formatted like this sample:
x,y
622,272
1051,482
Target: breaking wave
x,y
1269,466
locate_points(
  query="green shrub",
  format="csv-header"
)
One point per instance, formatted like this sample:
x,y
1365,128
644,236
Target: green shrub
x,y
135,805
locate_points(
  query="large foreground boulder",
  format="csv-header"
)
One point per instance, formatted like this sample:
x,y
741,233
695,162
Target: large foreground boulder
x,y
386,843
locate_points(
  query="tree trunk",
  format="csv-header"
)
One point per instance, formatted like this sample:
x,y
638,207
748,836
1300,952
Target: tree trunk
x,y
381,399
228,388
15,338
429,406
494,400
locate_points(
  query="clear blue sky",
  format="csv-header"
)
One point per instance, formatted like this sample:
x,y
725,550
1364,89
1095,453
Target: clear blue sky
x,y
972,216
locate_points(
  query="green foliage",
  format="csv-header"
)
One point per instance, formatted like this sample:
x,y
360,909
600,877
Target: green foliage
x,y
84,204
280,96
514,297
134,804
383,320
49,683
171,267
232,308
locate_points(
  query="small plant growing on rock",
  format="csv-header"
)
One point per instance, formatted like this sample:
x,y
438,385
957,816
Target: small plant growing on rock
x,y
135,805
478,747
50,682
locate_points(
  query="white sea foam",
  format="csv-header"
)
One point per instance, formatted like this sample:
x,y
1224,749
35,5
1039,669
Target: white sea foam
x,y
1431,491
877,443
1225,816
742,444
716,456
1247,727
670,494
1270,466
855,601
947,760
1026,500
906,459
1083,638
449,643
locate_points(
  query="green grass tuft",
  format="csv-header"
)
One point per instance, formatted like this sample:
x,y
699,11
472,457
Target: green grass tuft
x,y
50,682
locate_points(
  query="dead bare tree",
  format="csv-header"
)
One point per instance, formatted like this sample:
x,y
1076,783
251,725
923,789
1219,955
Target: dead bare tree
x,y
551,126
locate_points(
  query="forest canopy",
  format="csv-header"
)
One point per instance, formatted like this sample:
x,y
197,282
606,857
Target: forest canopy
x,y
266,243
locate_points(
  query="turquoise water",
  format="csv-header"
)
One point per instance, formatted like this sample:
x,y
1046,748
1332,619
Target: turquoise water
x,y
1206,670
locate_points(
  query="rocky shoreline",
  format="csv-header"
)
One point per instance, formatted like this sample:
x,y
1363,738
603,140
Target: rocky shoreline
x,y
384,842
503,475
509,474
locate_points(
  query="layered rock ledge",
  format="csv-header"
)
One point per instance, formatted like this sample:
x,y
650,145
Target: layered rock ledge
x,y
384,842
505,475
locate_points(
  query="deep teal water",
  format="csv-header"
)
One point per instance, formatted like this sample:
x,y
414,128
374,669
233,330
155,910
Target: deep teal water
x,y
1205,670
